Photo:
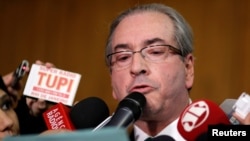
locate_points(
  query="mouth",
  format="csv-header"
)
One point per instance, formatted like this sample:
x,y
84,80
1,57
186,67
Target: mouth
x,y
141,89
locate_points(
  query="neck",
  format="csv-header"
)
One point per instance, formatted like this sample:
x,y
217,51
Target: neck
x,y
156,123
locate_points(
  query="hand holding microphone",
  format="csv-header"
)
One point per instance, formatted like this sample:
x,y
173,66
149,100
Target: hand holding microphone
x,y
19,73
237,110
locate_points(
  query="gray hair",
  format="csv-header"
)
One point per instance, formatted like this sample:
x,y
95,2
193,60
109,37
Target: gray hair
x,y
183,33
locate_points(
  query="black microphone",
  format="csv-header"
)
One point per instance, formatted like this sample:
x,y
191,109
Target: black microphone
x,y
88,113
128,110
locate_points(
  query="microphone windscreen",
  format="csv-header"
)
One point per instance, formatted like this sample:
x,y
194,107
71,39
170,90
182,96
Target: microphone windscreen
x,y
135,102
197,116
128,110
88,113
227,105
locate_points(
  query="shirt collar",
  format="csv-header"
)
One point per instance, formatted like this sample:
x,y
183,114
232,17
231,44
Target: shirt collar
x,y
170,130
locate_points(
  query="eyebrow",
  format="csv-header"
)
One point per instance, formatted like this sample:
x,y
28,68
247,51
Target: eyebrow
x,y
153,41
145,43
121,46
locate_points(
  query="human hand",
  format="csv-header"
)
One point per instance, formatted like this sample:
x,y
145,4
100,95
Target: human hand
x,y
13,83
9,78
38,106
47,64
245,121
54,131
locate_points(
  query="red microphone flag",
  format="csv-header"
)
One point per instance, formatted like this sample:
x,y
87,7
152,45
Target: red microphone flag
x,y
57,117
196,117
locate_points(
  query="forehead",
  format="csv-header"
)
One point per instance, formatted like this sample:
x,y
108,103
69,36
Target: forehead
x,y
142,26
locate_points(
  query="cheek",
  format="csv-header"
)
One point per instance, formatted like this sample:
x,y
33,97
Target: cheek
x,y
118,82
16,123
171,77
13,116
15,119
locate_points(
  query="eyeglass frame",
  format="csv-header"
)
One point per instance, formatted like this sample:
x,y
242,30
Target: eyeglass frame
x,y
172,48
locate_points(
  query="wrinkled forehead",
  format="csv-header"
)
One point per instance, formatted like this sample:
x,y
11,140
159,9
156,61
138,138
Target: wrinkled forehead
x,y
141,26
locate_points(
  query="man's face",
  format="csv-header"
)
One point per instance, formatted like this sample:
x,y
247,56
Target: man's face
x,y
9,124
162,83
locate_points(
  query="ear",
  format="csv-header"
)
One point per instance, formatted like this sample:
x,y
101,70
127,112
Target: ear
x,y
114,95
189,67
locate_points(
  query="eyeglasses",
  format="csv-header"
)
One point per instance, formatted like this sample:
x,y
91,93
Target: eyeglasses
x,y
153,53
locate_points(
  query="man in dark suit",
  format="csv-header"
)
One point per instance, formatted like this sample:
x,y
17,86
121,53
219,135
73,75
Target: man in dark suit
x,y
150,50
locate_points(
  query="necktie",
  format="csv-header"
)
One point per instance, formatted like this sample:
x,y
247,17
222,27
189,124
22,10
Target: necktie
x,y
160,138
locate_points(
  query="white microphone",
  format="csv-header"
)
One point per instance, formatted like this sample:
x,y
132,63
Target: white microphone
x,y
241,106
227,107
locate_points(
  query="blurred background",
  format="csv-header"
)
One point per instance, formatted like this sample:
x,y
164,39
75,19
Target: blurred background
x,y
72,35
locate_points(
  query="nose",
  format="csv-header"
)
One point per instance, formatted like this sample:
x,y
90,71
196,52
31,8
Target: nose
x,y
6,121
138,65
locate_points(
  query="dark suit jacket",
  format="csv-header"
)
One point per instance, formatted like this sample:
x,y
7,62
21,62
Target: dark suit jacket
x,y
132,135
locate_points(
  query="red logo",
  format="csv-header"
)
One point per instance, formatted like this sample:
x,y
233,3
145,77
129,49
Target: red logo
x,y
194,115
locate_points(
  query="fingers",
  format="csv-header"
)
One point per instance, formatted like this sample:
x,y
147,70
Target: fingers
x,y
47,64
245,121
54,131
75,102
7,79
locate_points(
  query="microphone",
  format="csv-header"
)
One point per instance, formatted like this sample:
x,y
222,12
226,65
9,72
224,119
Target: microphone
x,y
57,117
88,113
227,107
241,106
128,110
194,120
19,73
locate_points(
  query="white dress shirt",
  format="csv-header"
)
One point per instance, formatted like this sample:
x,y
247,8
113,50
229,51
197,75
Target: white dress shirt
x,y
170,130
